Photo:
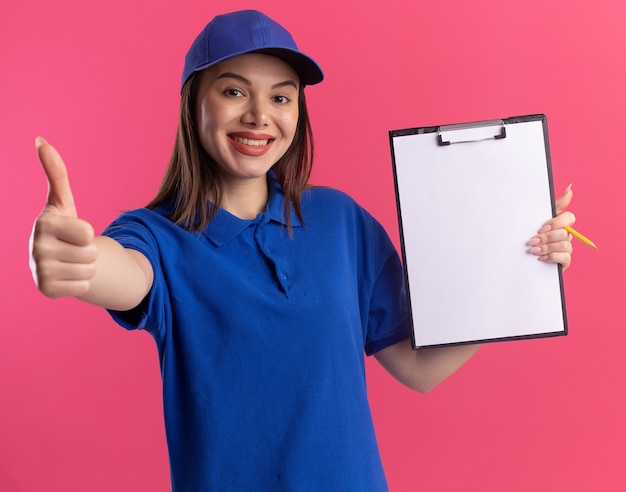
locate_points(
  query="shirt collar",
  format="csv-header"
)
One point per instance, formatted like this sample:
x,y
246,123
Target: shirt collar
x,y
224,226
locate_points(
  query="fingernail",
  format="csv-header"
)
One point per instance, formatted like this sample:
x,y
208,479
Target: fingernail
x,y
545,228
533,241
39,141
535,250
569,187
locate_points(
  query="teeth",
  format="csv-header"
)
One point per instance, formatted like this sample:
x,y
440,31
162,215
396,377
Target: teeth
x,y
250,142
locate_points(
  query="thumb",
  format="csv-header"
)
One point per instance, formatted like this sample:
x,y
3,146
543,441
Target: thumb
x,y
564,200
59,192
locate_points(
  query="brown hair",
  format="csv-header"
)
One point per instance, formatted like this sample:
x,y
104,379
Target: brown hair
x,y
193,175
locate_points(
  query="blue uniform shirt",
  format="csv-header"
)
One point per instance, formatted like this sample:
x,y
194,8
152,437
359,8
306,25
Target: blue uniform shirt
x,y
261,339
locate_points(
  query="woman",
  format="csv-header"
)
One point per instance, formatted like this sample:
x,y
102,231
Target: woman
x,y
261,293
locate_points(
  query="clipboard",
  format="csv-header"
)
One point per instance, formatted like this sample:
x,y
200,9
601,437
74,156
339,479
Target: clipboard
x,y
469,196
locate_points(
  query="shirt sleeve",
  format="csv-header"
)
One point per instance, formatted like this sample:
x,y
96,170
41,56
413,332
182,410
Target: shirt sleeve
x,y
133,231
389,319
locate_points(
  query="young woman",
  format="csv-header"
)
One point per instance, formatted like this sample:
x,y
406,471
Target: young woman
x,y
262,293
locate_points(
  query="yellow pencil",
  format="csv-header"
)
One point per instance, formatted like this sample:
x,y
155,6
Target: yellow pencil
x,y
578,235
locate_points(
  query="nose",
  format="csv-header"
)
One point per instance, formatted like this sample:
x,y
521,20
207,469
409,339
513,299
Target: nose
x,y
257,113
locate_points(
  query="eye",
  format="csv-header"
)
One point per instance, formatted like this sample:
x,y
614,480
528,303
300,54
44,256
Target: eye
x,y
233,92
281,99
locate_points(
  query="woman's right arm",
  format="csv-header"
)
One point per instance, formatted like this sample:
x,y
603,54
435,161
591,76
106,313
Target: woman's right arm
x,y
68,260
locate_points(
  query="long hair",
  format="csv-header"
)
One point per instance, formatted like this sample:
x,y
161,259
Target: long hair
x,y
192,181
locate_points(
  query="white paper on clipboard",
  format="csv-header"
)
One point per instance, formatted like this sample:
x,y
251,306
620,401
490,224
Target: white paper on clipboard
x,y
469,198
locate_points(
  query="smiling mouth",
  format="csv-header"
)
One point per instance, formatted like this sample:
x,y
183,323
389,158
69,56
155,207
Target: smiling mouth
x,y
250,142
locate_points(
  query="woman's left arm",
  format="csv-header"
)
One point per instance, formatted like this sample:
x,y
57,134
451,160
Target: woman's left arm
x,y
425,368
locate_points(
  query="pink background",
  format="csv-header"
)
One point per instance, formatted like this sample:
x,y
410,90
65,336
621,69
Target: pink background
x,y
80,402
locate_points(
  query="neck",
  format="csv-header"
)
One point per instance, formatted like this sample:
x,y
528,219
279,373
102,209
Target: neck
x,y
246,199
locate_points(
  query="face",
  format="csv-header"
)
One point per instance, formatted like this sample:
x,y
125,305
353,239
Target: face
x,y
246,114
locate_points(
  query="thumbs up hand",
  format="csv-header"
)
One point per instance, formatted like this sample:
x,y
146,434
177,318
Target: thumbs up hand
x,y
62,250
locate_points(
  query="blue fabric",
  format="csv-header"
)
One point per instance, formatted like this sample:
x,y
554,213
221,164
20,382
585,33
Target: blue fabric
x,y
261,339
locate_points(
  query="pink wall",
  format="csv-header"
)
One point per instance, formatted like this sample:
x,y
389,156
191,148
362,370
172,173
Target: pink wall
x,y
80,398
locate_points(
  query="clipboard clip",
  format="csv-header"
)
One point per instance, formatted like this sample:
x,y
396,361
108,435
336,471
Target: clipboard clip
x,y
471,132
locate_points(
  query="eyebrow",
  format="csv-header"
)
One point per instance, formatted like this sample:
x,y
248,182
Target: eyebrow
x,y
242,79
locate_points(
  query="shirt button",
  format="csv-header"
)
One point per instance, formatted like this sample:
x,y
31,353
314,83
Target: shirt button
x,y
283,276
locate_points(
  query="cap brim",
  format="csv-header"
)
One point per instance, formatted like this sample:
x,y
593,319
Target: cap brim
x,y
309,71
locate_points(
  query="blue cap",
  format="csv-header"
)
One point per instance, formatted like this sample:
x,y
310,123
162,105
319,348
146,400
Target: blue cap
x,y
247,31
